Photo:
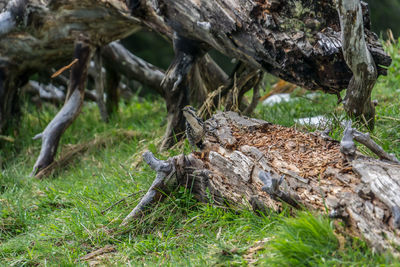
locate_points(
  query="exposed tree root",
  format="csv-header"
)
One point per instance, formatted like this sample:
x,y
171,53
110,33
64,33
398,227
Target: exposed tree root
x,y
51,135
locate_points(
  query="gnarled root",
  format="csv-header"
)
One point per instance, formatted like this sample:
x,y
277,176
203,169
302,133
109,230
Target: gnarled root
x,y
348,148
165,170
51,135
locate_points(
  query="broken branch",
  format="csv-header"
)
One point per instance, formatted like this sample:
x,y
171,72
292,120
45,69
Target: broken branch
x,y
164,170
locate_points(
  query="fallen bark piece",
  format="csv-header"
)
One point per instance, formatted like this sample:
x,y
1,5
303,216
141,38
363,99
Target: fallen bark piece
x,y
243,159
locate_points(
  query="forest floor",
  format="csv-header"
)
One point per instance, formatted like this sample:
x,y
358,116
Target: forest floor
x,y
58,220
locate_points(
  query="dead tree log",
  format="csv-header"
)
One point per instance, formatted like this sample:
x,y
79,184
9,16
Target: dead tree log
x,y
298,41
252,163
290,39
51,135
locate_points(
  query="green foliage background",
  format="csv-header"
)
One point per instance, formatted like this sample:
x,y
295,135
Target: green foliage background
x,y
385,14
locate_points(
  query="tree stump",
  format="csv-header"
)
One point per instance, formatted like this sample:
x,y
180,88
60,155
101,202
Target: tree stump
x,y
252,163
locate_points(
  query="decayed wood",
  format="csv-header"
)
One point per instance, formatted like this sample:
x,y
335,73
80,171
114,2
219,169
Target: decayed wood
x,y
52,93
248,162
51,135
47,92
298,41
12,16
291,39
175,84
358,96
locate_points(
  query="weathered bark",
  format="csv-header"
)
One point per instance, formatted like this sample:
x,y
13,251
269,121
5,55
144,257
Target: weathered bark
x,y
358,96
290,39
298,41
51,135
248,162
175,83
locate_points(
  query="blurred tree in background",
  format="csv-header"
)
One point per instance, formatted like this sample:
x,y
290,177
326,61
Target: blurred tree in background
x,y
385,14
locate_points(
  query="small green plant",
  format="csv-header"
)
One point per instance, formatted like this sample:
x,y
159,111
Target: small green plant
x,y
304,240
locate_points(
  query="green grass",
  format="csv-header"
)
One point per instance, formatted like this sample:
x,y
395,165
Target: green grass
x,y
57,220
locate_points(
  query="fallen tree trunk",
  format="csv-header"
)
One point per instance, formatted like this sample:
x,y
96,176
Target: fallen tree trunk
x,y
248,162
298,41
290,39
